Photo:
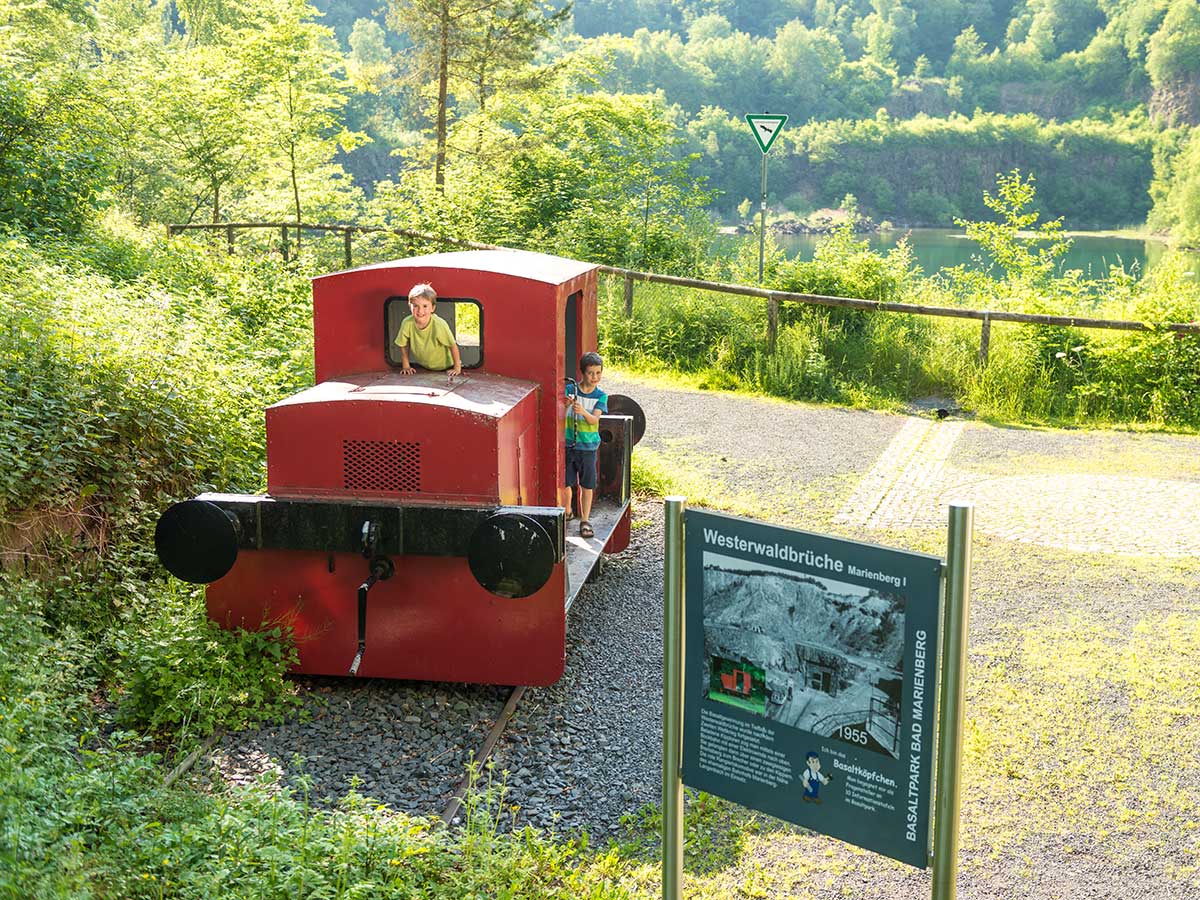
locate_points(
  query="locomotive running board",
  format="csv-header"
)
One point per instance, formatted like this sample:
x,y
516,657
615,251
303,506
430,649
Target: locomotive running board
x,y
583,554
611,504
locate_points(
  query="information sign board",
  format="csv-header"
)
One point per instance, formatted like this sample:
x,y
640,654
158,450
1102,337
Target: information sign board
x,y
810,678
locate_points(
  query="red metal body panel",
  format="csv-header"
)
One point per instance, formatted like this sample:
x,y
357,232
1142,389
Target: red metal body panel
x,y
430,621
523,296
451,442
619,539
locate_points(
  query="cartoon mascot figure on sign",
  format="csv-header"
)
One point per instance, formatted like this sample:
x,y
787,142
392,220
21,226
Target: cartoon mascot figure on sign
x,y
812,779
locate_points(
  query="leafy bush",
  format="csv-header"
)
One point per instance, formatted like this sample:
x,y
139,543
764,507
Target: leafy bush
x,y
119,393
181,673
133,374
52,159
1034,373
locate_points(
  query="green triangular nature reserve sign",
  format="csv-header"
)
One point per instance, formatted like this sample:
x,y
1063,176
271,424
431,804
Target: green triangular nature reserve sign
x,y
766,128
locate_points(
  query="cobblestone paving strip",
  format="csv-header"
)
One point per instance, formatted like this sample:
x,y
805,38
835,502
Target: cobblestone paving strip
x,y
894,494
911,485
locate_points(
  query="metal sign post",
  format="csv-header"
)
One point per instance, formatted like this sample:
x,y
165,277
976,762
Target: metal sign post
x,y
765,129
762,221
672,786
950,707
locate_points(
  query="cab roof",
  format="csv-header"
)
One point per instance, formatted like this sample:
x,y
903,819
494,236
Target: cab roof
x,y
541,267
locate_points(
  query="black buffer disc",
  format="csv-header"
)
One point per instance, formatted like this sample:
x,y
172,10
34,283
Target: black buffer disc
x,y
511,555
620,405
196,541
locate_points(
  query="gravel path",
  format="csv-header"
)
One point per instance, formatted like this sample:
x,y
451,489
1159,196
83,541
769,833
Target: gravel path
x,y
585,753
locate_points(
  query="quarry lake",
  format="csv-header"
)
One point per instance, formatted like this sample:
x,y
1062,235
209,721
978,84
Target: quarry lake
x,y
939,248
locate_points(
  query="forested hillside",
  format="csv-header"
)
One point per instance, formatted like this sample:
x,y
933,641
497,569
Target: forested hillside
x,y
921,103
197,110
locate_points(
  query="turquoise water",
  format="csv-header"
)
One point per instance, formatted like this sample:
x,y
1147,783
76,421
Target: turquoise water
x,y
938,248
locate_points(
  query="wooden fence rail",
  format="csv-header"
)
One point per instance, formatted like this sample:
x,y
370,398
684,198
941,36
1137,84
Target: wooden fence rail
x,y
772,297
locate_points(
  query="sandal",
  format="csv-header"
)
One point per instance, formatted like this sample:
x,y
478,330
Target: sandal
x,y
585,529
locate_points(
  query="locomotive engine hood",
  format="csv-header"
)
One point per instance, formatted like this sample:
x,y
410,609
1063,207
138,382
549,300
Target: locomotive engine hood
x,y
415,438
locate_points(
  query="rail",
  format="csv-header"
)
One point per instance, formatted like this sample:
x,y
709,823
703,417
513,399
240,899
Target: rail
x,y
772,297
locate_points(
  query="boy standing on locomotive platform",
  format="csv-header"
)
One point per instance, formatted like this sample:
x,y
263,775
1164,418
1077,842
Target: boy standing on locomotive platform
x,y
427,336
587,403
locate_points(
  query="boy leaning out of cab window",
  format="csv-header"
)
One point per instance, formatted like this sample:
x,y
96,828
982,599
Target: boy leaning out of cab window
x,y
425,338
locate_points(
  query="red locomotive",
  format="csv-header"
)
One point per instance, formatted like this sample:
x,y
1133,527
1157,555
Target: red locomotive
x,y
412,525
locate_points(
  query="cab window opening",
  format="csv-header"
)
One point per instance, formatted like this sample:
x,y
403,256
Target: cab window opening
x,y
464,316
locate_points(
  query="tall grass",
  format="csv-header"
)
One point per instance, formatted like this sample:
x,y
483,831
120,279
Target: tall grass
x,y
1033,373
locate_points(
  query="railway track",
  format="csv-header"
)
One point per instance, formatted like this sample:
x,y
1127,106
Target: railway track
x,y
582,753
451,809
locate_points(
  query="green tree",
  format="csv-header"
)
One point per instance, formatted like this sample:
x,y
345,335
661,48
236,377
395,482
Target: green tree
x,y
1182,201
1174,51
1025,250
471,40
199,113
808,57
737,63
496,54
603,177
54,160
606,173
204,21
370,66
296,72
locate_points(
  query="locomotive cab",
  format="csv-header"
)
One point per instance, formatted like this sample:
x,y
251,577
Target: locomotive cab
x,y
412,525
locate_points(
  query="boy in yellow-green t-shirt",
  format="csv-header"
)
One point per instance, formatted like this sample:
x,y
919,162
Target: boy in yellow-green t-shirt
x,y
424,338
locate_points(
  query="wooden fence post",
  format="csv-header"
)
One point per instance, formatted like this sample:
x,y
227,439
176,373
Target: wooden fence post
x,y
772,323
170,231
629,295
346,237
285,244
229,238
985,338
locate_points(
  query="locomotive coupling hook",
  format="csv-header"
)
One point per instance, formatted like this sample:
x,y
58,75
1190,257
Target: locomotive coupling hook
x,y
381,570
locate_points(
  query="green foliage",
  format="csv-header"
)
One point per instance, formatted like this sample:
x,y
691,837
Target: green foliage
x,y
1027,255
1180,191
836,355
83,810
596,177
1174,50
93,363
1034,373
125,384
53,163
182,674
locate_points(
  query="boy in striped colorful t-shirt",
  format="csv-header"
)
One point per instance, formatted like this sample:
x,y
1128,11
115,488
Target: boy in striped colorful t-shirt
x,y
587,403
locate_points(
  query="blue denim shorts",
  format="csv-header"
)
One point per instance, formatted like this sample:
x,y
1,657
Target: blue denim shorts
x,y
581,463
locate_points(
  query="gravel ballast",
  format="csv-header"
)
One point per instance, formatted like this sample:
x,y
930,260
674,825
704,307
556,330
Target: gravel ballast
x,y
585,753
579,754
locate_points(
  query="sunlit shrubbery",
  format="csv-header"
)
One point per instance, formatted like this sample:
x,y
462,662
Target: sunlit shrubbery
x,y
1033,372
134,373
